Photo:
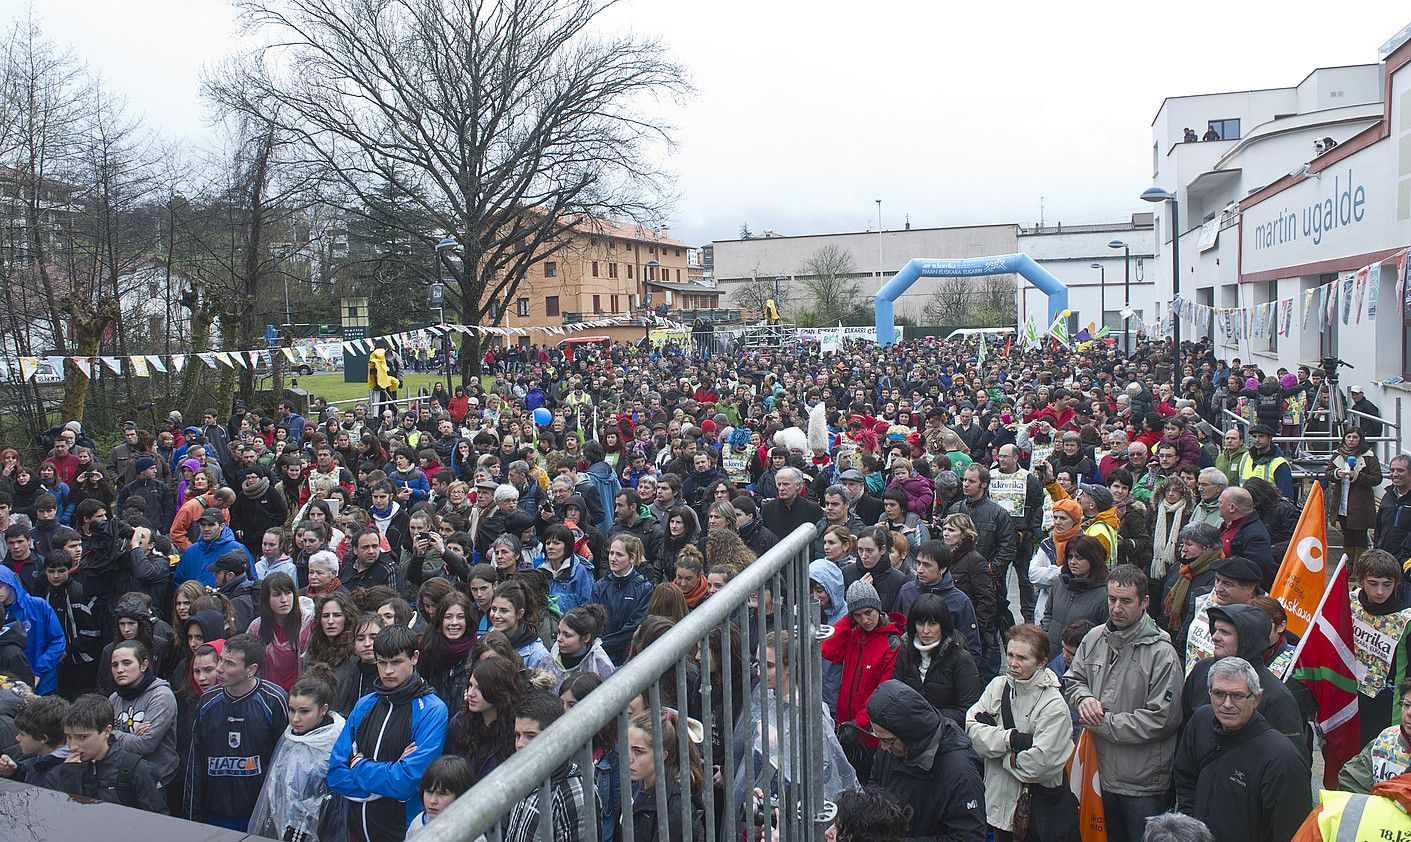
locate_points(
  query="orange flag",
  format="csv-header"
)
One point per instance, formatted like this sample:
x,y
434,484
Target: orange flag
x,y
1083,780
1301,579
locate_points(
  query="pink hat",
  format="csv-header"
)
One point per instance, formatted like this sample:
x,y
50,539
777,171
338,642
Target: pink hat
x,y
1252,383
1288,380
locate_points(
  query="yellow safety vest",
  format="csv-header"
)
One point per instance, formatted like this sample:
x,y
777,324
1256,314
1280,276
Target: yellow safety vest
x,y
1265,471
1369,818
1104,532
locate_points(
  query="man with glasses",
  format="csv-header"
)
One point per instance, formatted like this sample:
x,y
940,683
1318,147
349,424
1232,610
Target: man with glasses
x,y
1233,771
1210,484
1243,631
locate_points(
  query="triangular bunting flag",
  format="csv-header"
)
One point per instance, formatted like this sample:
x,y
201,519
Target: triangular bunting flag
x,y
289,355
177,361
114,364
224,359
157,363
28,366
83,364
208,358
139,365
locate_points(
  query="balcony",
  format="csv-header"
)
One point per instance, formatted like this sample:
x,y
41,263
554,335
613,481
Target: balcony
x,y
716,315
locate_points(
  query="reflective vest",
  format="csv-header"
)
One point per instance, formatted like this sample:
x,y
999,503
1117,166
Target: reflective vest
x,y
1377,638
1107,535
1348,817
1264,470
1390,755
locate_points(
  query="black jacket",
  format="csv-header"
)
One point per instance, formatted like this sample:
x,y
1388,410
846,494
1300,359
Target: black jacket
x,y
951,684
241,593
975,576
781,519
885,578
121,777
383,571
13,661
251,516
652,537
1252,784
1394,524
758,537
1251,541
1278,707
996,541
940,779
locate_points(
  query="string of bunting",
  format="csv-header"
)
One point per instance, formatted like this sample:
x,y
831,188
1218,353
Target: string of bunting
x,y
1352,295
145,365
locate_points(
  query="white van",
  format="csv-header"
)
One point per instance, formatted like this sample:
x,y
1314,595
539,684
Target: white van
x,y
988,332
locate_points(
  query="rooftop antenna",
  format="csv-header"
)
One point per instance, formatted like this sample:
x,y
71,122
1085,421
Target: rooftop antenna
x,y
908,222
1041,211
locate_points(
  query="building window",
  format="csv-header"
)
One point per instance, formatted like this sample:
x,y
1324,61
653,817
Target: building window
x,y
678,276
678,252
597,304
551,269
1225,129
629,271
551,305
612,270
521,307
651,249
595,268
1272,336
614,305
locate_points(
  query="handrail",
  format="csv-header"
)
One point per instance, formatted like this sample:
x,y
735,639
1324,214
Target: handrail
x,y
482,806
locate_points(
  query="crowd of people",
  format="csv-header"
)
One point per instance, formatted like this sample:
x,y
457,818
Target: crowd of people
x,y
318,624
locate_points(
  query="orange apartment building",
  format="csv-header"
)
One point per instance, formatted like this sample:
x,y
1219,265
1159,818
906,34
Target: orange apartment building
x,y
609,269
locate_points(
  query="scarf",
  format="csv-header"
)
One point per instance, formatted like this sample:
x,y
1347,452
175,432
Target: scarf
x,y
131,693
334,584
256,491
1176,597
1169,520
1061,539
459,648
697,593
523,636
925,650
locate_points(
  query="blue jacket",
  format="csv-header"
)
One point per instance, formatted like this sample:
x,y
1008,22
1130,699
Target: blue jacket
x,y
573,587
606,483
202,554
414,479
400,779
625,600
44,635
962,611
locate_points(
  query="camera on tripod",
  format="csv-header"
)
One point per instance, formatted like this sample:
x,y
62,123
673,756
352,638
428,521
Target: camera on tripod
x,y
1330,366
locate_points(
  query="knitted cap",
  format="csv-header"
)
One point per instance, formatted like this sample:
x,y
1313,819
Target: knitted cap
x,y
862,595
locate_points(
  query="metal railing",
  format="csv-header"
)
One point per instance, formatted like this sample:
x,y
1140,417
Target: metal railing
x,y
781,754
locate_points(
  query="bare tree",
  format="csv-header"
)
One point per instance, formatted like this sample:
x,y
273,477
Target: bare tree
x,y
949,304
505,123
829,279
751,296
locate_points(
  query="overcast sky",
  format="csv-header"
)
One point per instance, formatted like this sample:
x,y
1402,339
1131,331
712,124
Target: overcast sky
x,y
805,113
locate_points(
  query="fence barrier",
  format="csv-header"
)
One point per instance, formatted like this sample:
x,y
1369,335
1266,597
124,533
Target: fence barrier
x,y
775,747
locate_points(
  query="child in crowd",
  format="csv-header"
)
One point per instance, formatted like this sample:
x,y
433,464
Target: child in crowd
x,y
445,780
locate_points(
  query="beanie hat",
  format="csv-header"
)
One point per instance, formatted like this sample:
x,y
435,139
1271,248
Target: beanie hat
x,y
862,595
143,463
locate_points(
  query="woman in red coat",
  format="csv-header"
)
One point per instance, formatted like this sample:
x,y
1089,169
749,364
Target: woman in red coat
x,y
865,642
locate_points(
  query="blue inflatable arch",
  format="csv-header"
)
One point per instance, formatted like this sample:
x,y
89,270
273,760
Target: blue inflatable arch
x,y
1002,264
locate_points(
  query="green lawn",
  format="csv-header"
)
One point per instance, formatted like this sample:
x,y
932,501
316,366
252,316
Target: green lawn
x,y
332,388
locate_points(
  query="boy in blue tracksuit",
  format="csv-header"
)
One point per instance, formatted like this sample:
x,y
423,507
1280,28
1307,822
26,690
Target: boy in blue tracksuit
x,y
238,724
44,635
371,765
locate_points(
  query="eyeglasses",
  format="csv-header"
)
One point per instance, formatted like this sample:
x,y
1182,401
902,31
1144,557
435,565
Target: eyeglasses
x,y
1220,697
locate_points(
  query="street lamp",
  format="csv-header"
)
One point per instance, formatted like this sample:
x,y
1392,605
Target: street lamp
x,y
1158,194
1126,291
445,243
1101,294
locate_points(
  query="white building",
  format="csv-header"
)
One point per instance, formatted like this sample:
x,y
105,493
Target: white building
x,y
1265,217
1067,251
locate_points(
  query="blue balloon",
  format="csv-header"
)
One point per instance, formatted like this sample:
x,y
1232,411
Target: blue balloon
x,y
543,417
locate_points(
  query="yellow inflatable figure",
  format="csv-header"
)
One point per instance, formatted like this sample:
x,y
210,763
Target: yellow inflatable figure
x,y
378,374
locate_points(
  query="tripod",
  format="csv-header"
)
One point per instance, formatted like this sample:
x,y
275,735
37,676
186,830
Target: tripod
x,y
1335,412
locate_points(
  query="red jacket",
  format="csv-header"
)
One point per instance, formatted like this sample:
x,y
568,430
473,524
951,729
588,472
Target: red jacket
x,y
459,406
867,659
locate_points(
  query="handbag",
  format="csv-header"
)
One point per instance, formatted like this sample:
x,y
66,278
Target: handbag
x,y
1054,807
1024,805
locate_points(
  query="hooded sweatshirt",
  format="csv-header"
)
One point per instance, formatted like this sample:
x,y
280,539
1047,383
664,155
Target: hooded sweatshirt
x,y
830,576
13,662
1277,705
939,778
150,702
202,554
44,642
